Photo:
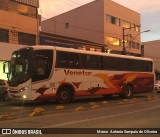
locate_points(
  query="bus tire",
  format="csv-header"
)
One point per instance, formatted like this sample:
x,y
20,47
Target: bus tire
x,y
128,92
64,95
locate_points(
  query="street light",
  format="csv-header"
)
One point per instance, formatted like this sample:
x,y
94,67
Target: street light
x,y
136,36
146,31
140,33
124,48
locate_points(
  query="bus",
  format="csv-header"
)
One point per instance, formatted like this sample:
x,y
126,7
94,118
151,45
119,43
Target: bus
x,y
48,72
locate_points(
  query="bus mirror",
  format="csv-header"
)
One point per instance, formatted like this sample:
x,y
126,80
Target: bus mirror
x,y
6,67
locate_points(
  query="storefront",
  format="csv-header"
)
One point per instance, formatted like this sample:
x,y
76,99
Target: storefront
x,y
69,42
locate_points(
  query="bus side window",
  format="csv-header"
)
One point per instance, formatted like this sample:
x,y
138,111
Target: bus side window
x,y
61,59
64,63
101,63
74,61
147,66
110,63
40,71
67,60
85,61
42,64
94,62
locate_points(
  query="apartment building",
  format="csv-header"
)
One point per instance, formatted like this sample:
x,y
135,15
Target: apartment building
x,y
101,21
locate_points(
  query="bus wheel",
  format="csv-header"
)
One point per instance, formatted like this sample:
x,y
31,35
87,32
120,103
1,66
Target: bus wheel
x,y
64,95
107,96
128,92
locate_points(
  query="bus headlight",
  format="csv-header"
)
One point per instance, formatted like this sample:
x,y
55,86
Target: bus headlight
x,y
23,89
24,96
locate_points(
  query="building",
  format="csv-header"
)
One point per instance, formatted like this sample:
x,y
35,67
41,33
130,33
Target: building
x,y
19,22
101,21
5,55
152,50
19,25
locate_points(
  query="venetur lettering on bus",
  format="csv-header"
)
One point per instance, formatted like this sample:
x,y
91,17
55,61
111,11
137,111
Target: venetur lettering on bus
x,y
77,73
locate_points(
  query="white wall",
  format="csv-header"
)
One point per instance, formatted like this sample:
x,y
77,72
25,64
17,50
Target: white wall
x,y
6,50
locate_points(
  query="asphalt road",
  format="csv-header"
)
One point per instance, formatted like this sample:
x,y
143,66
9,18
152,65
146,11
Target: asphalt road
x,y
143,111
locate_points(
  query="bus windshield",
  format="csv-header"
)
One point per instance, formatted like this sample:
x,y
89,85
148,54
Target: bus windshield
x,y
20,67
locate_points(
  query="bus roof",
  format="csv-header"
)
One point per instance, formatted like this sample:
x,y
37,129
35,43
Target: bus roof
x,y
88,52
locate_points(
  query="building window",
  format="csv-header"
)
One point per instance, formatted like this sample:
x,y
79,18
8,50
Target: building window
x,y
113,41
4,35
26,39
129,44
133,27
137,45
33,3
18,8
125,24
137,28
66,25
133,45
113,20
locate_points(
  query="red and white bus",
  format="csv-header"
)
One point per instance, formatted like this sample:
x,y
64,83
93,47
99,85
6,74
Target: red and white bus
x,y
46,72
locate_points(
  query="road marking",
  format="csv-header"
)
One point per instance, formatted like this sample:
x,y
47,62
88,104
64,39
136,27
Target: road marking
x,y
92,119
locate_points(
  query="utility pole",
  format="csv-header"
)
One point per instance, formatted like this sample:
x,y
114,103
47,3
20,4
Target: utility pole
x,y
123,41
124,48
